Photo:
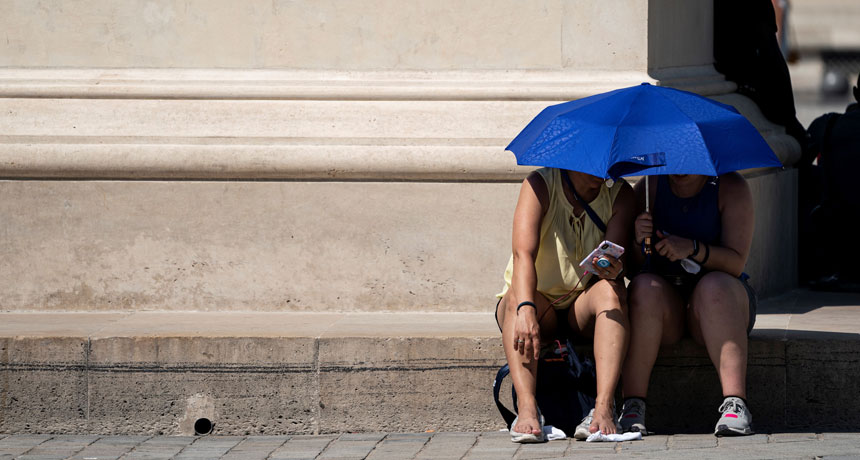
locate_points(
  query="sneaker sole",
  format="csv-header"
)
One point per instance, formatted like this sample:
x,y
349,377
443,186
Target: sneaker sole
x,y
725,430
635,429
581,435
527,438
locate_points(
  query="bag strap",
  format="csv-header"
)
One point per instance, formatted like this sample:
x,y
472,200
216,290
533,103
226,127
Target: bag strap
x,y
506,414
593,215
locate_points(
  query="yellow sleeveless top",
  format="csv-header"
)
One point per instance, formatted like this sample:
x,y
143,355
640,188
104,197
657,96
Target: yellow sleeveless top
x,y
564,240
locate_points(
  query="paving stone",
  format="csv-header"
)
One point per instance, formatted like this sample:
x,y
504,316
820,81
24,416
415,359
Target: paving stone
x,y
598,446
148,457
728,441
692,441
255,447
375,437
169,441
42,457
651,443
159,447
446,446
348,449
109,447
298,447
123,439
408,437
248,455
793,437
97,455
62,446
402,447
550,449
838,436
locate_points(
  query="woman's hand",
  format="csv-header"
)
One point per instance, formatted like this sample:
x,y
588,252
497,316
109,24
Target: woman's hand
x,y
674,247
643,227
527,332
612,271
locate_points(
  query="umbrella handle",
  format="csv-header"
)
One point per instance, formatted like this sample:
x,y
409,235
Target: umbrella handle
x,y
647,245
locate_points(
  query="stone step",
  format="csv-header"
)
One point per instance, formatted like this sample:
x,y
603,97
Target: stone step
x,y
299,373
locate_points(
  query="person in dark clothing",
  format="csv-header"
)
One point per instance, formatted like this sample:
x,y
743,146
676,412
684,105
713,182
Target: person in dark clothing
x,y
702,230
747,52
828,201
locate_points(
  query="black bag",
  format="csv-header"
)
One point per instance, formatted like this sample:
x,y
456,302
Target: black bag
x,y
566,387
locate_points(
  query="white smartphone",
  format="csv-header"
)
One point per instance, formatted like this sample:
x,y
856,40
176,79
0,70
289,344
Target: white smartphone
x,y
606,247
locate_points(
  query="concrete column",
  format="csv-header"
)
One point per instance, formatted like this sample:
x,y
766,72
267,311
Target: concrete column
x,y
312,155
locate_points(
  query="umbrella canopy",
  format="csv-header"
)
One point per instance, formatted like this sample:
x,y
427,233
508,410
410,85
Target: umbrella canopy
x,y
643,129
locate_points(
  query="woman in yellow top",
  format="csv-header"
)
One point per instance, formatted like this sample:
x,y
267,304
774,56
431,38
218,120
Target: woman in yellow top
x,y
552,233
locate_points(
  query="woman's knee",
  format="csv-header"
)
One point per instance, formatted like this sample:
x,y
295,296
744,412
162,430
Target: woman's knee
x,y
609,295
648,295
719,293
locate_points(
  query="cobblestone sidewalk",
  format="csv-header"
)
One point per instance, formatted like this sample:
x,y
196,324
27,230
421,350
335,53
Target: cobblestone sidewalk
x,y
435,446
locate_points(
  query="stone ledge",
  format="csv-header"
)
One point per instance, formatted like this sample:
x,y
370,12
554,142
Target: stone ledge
x,y
276,373
343,85
293,125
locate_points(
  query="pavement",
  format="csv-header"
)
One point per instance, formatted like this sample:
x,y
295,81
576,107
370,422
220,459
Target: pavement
x,y
435,446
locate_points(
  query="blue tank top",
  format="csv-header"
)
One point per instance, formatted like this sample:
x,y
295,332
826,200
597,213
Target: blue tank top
x,y
697,217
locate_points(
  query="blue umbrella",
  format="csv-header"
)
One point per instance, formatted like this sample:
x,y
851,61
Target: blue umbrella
x,y
643,129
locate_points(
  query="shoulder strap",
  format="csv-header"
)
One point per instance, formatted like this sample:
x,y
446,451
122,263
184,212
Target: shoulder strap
x,y
506,414
593,215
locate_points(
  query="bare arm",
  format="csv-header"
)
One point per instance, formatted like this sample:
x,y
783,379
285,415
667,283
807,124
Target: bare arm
x,y
738,221
618,229
531,207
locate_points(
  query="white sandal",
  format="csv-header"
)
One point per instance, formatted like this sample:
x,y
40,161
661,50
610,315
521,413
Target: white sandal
x,y
528,437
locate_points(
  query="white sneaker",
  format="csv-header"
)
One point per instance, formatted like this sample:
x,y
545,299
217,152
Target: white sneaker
x,y
735,419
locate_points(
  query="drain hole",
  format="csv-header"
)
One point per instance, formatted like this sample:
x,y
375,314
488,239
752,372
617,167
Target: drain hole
x,y
203,426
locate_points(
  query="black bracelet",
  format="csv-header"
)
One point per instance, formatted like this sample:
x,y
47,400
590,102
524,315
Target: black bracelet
x,y
695,248
523,304
707,254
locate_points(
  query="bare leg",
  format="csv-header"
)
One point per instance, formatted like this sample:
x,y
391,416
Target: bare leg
x,y
524,367
656,318
719,319
602,312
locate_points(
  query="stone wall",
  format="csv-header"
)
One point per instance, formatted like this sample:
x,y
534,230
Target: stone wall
x,y
304,155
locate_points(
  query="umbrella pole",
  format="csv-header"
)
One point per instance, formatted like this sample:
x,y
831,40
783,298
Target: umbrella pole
x,y
648,210
647,246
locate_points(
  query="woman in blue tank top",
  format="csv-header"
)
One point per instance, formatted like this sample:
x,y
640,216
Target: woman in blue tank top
x,y
700,230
